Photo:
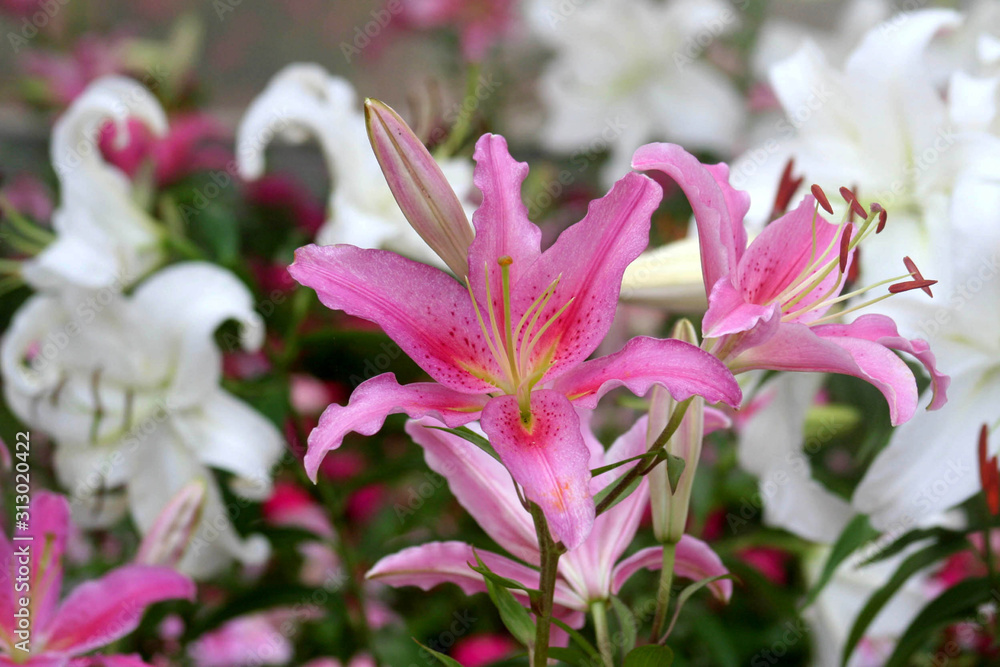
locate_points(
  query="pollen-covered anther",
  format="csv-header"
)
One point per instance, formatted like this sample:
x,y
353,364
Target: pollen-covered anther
x,y
820,196
915,272
882,216
911,285
852,199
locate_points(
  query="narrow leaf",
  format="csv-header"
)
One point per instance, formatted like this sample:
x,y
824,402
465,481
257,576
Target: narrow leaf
x,y
913,564
611,466
690,590
955,604
856,533
514,616
650,656
580,640
675,468
627,623
465,433
441,657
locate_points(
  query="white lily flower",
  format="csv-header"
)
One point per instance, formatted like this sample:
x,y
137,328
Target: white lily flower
x,y
104,238
773,447
630,71
303,101
128,389
779,38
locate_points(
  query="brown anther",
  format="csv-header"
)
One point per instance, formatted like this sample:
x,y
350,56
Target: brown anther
x,y
882,216
856,207
786,188
821,198
845,248
911,285
915,272
506,260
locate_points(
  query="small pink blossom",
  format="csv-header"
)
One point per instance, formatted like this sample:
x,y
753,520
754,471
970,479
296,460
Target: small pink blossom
x,y
480,23
94,614
484,649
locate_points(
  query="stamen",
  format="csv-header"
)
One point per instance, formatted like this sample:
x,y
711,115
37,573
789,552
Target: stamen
x,y
482,323
911,285
915,272
845,248
882,216
786,188
852,199
505,263
821,198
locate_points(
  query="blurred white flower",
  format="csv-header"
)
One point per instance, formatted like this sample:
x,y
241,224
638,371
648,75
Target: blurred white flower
x,y
303,101
773,447
779,37
630,71
128,388
832,615
104,237
878,125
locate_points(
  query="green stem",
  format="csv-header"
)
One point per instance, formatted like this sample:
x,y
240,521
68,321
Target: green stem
x,y
549,552
663,592
301,301
460,129
600,612
23,226
638,470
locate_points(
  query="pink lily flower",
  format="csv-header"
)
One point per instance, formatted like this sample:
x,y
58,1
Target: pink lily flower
x,y
768,302
94,614
480,23
589,573
510,346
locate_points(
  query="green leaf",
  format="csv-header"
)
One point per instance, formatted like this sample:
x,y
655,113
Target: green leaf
x,y
611,466
627,623
441,657
484,570
690,590
650,656
937,534
580,640
603,493
913,564
675,468
513,615
465,433
959,602
856,533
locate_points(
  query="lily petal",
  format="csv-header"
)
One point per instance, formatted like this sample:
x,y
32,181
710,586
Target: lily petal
x,y
49,524
882,330
797,347
548,458
729,312
694,560
482,485
379,397
228,434
98,612
419,186
683,369
182,306
426,311
589,260
718,208
173,529
501,221
434,563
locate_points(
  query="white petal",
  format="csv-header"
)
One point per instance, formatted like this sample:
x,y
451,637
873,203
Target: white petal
x,y
930,464
223,432
771,447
